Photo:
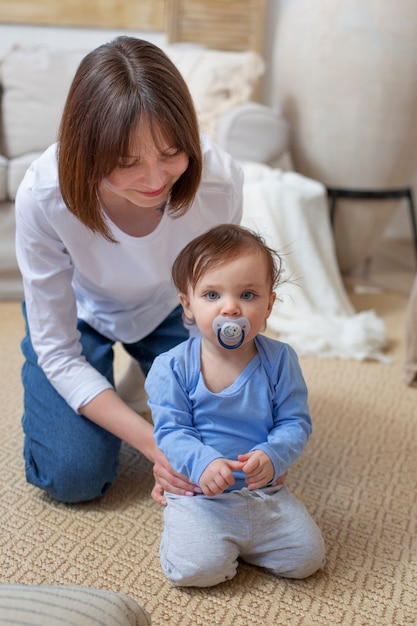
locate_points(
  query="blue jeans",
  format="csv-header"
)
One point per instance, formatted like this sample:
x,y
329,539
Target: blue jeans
x,y
66,454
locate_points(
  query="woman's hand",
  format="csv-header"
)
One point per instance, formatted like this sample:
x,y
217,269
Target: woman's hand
x,y
280,480
111,413
166,479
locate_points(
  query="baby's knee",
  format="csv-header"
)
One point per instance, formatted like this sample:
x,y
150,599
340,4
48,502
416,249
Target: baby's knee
x,y
306,567
198,577
191,571
307,552
305,560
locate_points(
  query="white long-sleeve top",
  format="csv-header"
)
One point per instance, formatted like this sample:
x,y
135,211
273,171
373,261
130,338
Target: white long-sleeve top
x,y
123,290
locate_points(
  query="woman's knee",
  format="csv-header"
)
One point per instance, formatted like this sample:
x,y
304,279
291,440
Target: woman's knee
x,y
68,476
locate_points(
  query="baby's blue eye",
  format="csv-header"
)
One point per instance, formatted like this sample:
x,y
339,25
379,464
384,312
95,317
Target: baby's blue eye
x,y
212,295
247,295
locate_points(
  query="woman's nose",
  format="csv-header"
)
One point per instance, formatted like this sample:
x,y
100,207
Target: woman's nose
x,y
152,175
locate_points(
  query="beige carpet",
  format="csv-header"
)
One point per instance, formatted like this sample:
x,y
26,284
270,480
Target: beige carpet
x,y
358,478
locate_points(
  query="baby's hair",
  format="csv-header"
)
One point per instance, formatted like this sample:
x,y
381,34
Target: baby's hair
x,y
216,246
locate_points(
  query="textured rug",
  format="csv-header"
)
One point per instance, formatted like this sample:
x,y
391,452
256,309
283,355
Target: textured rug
x,y
358,478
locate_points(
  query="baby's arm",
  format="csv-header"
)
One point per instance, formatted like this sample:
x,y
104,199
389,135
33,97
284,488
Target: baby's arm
x,y
218,476
291,429
258,468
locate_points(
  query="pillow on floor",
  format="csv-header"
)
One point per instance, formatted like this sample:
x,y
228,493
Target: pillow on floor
x,y
46,605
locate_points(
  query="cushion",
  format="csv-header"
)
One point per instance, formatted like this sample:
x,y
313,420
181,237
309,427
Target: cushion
x,y
16,169
218,80
36,82
51,605
239,130
35,85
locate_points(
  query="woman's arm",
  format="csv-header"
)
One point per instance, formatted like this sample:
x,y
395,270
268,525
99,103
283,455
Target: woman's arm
x,y
111,413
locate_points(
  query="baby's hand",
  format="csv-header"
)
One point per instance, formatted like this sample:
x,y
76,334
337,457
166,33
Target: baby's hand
x,y
218,476
258,468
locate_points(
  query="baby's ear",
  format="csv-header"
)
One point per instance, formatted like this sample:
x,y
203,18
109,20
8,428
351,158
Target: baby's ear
x,y
272,299
185,303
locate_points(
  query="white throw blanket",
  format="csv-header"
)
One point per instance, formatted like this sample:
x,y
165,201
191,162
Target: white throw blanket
x,y
313,312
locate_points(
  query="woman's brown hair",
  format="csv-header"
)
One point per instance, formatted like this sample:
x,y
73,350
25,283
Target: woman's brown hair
x,y
116,86
216,246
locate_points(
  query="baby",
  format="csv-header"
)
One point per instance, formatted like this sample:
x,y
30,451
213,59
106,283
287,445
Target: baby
x,y
230,413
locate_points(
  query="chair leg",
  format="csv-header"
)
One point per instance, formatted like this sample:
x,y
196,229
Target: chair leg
x,y
333,197
413,217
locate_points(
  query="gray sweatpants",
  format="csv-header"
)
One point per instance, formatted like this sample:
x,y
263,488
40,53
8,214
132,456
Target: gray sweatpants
x,y
203,537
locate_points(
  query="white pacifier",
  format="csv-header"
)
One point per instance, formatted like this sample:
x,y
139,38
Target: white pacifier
x,y
231,333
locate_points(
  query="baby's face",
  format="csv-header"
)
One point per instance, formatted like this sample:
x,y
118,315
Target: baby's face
x,y
238,288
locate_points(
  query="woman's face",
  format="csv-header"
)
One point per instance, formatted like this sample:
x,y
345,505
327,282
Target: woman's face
x,y
146,176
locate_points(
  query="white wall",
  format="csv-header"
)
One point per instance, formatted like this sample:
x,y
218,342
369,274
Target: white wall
x,y
400,223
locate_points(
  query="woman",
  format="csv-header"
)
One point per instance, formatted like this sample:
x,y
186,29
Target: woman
x,y
100,217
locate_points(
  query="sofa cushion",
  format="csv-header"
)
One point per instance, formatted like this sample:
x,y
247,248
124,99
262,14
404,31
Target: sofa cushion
x,y
36,81
35,85
16,169
218,80
46,605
